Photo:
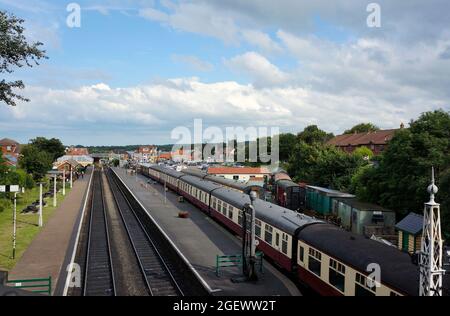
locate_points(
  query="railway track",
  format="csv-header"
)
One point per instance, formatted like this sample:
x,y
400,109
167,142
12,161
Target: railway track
x,y
156,272
99,274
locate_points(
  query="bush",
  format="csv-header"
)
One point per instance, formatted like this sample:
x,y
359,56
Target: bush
x,y
5,204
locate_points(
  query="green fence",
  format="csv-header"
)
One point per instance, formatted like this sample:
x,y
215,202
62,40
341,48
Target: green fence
x,y
32,285
237,261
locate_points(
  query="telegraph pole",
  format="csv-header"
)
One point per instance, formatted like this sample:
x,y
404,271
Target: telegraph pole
x,y
431,269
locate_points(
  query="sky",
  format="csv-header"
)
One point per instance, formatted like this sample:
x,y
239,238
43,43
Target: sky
x,y
137,69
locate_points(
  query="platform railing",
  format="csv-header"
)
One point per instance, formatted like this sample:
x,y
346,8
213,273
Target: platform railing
x,y
43,286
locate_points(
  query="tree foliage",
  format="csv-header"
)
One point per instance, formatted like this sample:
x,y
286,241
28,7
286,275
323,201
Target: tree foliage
x,y
287,143
403,171
362,128
35,161
15,52
324,165
313,134
52,146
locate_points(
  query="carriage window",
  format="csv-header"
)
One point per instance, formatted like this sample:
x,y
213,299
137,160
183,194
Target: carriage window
x,y
219,208
258,228
337,275
240,217
268,234
314,262
301,254
284,244
224,209
214,203
362,286
230,212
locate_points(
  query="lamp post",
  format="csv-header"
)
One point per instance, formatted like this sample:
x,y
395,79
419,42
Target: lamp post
x,y
252,262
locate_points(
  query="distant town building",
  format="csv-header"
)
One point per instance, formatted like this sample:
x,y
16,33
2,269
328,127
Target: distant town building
x,y
10,150
243,174
145,154
375,141
73,151
82,160
410,232
67,165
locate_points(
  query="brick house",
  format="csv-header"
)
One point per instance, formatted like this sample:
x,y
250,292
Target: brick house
x,y
375,141
10,151
72,151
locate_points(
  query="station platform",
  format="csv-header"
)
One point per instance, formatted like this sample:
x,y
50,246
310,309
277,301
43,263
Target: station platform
x,y
201,239
50,252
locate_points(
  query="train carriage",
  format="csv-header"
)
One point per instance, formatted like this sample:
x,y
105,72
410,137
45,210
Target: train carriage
x,y
197,191
335,262
232,184
322,256
276,227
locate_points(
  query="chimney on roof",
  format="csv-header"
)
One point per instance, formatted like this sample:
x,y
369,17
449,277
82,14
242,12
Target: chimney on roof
x,y
402,126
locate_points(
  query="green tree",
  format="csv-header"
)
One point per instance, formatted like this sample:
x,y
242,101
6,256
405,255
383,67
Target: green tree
x,y
35,162
287,144
15,52
313,134
52,146
362,128
403,172
115,162
364,153
324,165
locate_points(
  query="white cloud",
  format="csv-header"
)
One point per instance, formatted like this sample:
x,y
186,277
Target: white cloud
x,y
261,40
257,67
154,15
146,114
193,62
196,18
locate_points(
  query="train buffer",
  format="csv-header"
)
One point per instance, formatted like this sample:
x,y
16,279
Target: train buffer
x,y
43,286
231,261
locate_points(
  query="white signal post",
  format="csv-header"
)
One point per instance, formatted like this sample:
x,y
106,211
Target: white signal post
x,y
54,191
71,177
64,182
40,205
431,268
14,225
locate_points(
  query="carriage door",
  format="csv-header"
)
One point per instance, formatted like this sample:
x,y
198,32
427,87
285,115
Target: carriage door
x,y
277,242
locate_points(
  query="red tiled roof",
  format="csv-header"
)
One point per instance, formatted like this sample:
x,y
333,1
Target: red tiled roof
x,y
237,170
360,139
8,142
165,156
77,152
